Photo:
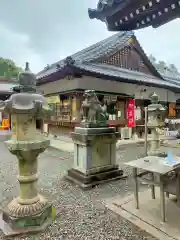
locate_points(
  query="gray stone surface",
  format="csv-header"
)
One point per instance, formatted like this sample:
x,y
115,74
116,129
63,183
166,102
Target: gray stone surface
x,y
155,164
5,135
89,131
94,156
81,215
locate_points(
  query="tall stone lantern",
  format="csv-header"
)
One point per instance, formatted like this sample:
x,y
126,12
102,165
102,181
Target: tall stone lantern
x,y
30,211
155,113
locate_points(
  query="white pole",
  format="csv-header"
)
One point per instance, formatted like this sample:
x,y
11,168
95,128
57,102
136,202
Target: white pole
x,y
145,130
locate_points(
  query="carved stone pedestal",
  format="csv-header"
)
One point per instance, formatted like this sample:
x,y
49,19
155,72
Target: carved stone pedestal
x,y
30,212
21,219
94,157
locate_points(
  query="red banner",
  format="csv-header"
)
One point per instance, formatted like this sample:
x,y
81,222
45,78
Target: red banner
x,y
131,113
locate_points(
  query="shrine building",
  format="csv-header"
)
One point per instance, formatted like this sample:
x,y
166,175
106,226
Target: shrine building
x,y
118,69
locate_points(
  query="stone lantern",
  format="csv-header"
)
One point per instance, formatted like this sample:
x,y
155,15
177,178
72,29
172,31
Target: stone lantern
x,y
94,146
30,211
155,113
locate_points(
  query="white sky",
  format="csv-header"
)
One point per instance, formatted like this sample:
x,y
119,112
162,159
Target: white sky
x,y
42,32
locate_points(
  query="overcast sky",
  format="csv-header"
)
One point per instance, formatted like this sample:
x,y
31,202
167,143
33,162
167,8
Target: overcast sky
x,y
43,32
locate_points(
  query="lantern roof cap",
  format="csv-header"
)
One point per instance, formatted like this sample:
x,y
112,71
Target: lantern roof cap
x,y
154,98
27,80
155,105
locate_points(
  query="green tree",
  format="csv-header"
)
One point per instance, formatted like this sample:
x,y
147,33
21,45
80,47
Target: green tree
x,y
152,59
8,68
173,68
162,65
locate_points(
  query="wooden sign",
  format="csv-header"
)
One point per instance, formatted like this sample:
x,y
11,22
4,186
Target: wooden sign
x,y
113,98
52,99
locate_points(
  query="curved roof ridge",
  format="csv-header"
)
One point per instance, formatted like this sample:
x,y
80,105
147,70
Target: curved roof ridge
x,y
172,76
148,61
101,48
92,52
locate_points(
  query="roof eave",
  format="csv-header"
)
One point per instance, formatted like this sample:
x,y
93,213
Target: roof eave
x,y
108,9
109,12
6,92
124,80
60,74
146,59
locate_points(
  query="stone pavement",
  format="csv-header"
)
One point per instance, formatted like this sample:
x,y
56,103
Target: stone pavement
x,y
81,215
148,216
174,143
64,143
4,135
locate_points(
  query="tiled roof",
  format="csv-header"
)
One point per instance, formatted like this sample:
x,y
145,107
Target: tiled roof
x,y
85,58
172,78
102,48
169,76
115,13
127,75
107,7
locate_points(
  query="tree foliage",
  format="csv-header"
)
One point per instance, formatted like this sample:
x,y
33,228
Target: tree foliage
x,y
173,68
152,59
162,66
8,68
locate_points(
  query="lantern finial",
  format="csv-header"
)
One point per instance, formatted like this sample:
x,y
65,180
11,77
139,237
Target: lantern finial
x,y
154,98
27,67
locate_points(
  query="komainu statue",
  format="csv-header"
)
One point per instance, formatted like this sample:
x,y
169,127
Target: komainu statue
x,y
93,113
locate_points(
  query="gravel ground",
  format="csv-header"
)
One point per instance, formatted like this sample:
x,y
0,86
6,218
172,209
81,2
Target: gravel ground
x,y
81,214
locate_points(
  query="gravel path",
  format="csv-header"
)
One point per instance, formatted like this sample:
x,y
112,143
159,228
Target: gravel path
x,y
81,214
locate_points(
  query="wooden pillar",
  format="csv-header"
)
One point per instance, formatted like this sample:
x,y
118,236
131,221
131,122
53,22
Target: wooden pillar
x,y
76,107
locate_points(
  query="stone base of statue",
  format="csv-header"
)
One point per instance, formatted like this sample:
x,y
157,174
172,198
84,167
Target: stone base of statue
x,y
94,157
26,218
